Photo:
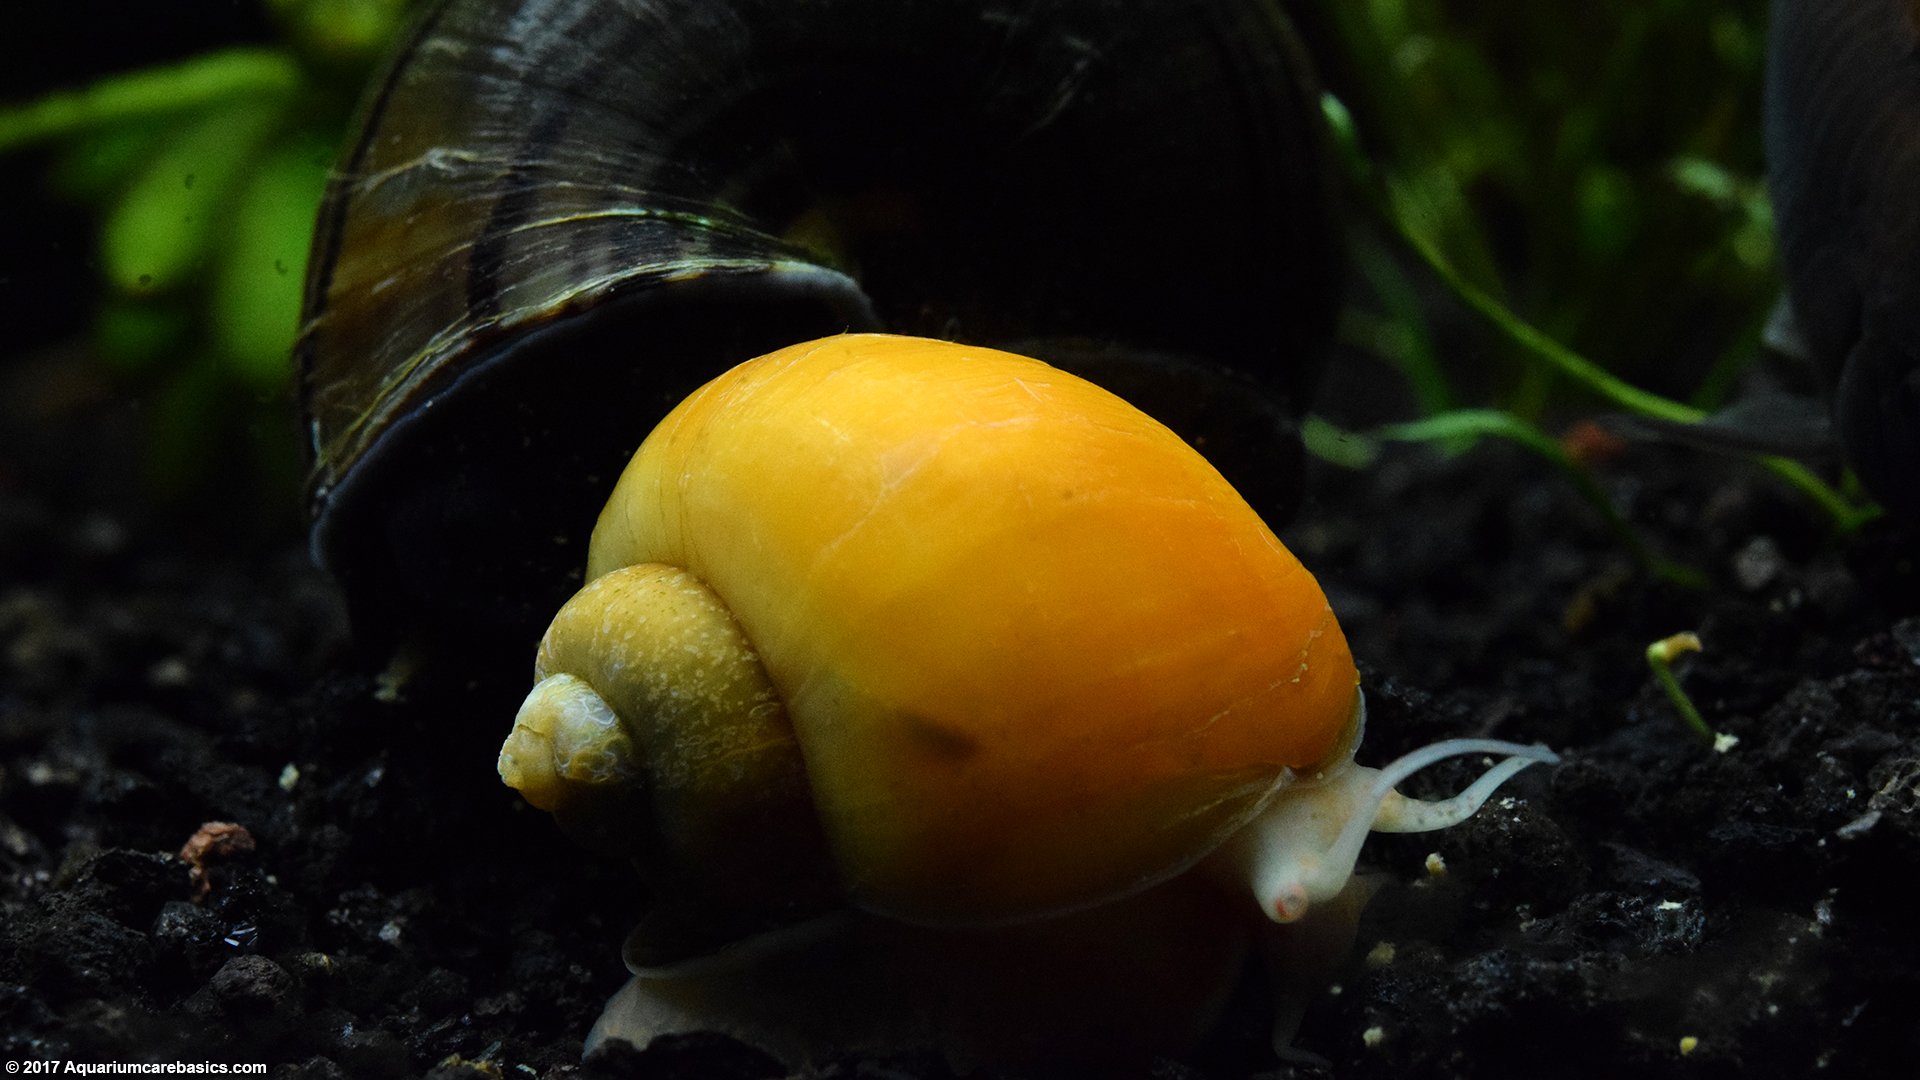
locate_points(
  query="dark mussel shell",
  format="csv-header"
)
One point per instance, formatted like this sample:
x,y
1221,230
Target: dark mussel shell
x,y
561,216
1843,150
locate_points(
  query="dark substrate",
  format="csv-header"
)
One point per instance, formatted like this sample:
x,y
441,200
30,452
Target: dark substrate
x,y
402,915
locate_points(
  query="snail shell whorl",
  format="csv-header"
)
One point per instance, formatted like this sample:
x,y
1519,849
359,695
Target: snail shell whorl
x,y
649,696
1036,652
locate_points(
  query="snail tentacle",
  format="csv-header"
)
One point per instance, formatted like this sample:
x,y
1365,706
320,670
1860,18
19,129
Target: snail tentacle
x,y
1399,814
1302,849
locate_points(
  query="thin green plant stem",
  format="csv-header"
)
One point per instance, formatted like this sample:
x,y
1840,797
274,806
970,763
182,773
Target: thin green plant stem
x,y
1847,515
1538,345
1533,343
1475,422
1660,657
1541,347
190,84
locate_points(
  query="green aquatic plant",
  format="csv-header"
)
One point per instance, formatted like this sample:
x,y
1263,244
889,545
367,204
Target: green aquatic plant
x,y
203,177
1660,657
1691,232
1594,168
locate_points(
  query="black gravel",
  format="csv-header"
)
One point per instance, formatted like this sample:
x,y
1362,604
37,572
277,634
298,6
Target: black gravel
x,y
1651,907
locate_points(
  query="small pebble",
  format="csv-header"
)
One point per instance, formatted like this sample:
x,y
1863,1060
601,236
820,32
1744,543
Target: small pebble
x,y
1758,563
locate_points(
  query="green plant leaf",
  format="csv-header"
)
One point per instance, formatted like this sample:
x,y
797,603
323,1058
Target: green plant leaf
x,y
135,333
255,306
225,76
156,237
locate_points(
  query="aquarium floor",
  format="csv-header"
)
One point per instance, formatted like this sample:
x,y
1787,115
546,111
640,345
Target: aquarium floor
x,y
1651,907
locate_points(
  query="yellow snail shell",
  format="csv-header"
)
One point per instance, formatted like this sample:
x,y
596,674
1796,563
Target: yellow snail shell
x,y
1009,645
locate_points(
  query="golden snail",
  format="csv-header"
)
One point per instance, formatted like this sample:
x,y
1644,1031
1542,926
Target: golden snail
x,y
937,690
967,641
559,217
